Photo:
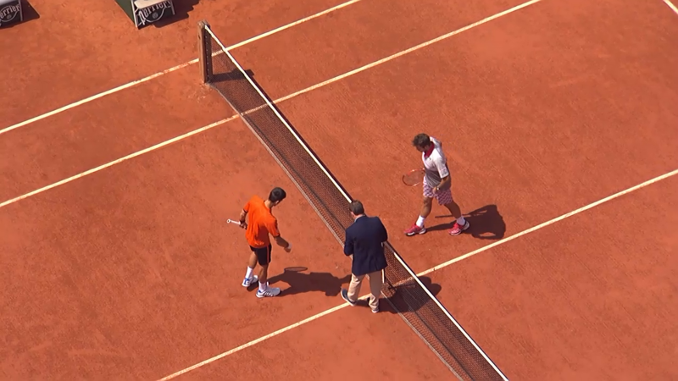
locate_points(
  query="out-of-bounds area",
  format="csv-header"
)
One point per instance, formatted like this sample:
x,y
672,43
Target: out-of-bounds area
x,y
119,169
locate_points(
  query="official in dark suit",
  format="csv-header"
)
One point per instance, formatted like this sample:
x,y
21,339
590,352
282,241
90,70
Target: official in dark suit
x,y
365,241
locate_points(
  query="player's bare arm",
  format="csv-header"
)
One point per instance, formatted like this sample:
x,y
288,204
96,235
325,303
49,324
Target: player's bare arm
x,y
280,241
444,182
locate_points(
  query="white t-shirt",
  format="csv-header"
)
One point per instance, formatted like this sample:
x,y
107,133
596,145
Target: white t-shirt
x,y
435,165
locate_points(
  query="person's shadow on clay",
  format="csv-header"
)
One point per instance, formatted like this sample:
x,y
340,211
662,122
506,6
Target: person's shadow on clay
x,y
406,295
486,223
300,281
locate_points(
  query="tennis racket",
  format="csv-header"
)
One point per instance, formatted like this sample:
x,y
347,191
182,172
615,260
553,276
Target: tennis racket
x,y
413,177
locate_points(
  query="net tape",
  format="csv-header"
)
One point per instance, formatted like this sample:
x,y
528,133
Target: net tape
x,y
402,288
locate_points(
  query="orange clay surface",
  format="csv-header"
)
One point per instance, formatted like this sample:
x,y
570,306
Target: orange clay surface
x,y
131,271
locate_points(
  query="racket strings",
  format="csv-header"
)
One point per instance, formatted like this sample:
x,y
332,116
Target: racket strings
x,y
413,177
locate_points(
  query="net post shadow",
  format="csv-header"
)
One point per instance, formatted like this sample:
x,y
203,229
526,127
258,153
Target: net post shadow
x,y
486,223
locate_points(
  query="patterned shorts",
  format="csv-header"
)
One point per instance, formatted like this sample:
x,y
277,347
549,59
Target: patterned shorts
x,y
444,197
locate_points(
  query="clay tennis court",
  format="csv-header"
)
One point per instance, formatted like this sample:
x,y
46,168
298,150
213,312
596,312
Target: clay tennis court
x,y
115,186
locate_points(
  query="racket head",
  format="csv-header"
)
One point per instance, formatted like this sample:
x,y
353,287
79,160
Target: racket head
x,y
413,177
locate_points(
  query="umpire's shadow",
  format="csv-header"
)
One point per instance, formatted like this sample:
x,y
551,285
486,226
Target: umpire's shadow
x,y
405,297
486,223
300,281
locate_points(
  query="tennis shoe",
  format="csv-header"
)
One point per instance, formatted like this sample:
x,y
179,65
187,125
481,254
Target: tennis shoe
x,y
249,281
458,229
270,292
415,229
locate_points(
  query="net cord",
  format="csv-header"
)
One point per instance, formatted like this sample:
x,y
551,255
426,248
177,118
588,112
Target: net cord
x,y
348,199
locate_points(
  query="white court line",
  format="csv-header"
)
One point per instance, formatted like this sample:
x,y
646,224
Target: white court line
x,y
551,222
410,50
465,256
277,101
254,342
166,71
118,161
317,316
673,7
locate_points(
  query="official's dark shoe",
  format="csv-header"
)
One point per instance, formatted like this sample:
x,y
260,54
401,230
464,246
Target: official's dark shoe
x,y
344,295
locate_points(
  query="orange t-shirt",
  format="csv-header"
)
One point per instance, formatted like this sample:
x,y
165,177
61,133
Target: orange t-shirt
x,y
260,223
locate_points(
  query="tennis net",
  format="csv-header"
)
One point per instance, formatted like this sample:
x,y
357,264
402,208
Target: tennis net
x,y
402,288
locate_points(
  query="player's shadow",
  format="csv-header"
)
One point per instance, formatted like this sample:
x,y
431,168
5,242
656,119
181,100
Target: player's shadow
x,y
405,297
300,281
486,223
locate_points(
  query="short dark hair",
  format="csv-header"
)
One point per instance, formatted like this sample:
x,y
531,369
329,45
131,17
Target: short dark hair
x,y
356,207
277,194
421,140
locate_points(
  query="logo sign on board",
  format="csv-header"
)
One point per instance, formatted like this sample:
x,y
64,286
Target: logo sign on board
x,y
9,12
153,13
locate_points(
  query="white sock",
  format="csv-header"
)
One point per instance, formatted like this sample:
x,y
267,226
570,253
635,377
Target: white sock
x,y
461,221
249,273
263,286
420,221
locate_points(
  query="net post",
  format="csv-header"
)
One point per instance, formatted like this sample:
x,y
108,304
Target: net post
x,y
204,52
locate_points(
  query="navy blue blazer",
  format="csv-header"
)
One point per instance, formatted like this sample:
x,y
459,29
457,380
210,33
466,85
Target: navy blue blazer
x,y
364,241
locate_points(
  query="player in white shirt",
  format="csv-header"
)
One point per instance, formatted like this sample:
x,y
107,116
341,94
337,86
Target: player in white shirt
x,y
437,183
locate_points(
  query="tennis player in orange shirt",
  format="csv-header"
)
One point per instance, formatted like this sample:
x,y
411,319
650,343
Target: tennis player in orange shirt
x,y
259,225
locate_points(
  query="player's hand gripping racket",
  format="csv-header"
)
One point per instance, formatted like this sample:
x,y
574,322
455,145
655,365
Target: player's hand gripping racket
x,y
230,221
413,177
